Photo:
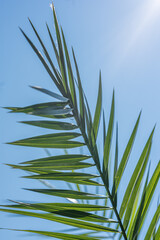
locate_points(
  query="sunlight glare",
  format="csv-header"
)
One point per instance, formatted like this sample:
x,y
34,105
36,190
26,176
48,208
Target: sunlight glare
x,y
143,21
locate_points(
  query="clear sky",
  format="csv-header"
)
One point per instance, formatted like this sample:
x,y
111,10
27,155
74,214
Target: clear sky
x,y
122,38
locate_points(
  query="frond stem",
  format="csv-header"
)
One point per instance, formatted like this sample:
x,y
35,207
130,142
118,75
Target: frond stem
x,y
100,172
115,210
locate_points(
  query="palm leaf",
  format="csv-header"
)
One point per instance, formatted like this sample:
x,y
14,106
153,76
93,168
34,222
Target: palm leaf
x,y
149,190
52,125
129,205
64,236
55,140
153,224
68,221
61,54
157,234
54,46
107,145
43,61
137,174
49,207
47,55
59,158
114,193
52,94
72,103
68,193
70,74
81,95
126,154
98,108
138,218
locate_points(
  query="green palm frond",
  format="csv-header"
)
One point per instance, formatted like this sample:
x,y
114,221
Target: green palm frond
x,y
109,215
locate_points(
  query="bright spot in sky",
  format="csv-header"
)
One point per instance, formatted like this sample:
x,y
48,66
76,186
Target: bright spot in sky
x,y
136,30
143,21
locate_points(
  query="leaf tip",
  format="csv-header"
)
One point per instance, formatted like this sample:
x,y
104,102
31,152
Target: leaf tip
x,y
27,189
154,126
29,20
8,143
21,30
51,5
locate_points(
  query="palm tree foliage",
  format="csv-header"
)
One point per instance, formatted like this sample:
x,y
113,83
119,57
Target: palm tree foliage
x,y
110,215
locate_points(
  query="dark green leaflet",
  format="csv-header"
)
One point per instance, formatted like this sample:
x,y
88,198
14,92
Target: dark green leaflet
x,y
68,193
68,157
52,94
56,140
49,207
52,125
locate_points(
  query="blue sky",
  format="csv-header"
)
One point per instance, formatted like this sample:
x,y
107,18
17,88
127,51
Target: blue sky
x,y
119,37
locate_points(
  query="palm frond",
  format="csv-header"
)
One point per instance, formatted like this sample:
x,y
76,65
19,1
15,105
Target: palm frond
x,y
74,119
